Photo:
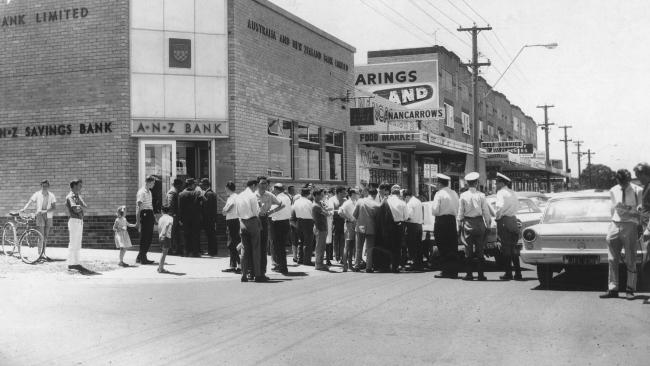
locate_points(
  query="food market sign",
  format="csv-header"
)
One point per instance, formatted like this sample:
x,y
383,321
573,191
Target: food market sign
x,y
413,85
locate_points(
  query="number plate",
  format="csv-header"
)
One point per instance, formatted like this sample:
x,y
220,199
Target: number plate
x,y
581,259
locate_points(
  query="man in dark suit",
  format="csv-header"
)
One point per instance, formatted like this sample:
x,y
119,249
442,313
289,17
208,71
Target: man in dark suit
x,y
209,216
189,210
172,202
365,214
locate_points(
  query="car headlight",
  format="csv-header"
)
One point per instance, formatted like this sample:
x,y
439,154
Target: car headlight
x,y
529,236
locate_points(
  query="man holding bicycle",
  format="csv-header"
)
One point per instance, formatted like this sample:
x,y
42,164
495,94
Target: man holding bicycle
x,y
45,202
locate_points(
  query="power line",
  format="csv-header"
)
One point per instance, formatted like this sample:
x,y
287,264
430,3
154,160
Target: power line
x,y
440,24
475,12
442,12
403,17
462,12
394,22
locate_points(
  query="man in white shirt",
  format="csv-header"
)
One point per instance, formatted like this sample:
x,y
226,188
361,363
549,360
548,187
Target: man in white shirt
x,y
248,211
45,202
280,229
623,234
507,206
232,227
414,223
346,211
335,250
396,229
474,219
445,209
301,209
145,219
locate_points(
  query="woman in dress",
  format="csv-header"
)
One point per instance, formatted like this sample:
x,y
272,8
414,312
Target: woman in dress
x,y
122,239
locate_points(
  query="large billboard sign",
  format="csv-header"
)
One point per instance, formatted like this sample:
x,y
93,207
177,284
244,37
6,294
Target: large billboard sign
x,y
413,85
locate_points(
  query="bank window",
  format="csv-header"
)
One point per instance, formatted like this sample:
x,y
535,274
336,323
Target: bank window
x,y
465,121
334,143
449,115
279,152
309,150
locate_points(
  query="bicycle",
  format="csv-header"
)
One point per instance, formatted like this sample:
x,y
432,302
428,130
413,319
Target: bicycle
x,y
30,246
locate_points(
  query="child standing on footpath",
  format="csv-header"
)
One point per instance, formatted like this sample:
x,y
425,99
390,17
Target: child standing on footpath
x,y
165,235
122,239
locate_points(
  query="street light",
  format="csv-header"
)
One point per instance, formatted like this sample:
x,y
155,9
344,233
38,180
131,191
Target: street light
x,y
549,46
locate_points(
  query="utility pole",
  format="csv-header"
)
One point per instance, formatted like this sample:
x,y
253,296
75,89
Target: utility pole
x,y
475,66
545,127
589,153
578,144
566,153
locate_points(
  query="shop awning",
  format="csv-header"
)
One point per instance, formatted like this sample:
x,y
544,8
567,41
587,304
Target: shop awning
x,y
418,142
509,162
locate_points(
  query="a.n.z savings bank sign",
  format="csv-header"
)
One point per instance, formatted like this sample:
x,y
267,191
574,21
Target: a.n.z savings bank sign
x,y
414,85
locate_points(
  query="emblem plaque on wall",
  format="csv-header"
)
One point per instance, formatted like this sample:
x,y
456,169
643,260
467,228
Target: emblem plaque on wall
x,y
180,53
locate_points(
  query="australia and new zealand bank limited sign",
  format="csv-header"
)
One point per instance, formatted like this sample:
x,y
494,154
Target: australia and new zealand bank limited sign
x,y
413,85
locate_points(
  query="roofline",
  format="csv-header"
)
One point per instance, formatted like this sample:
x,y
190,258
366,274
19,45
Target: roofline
x,y
305,24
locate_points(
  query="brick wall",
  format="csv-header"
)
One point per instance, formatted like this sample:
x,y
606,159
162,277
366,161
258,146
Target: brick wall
x,y
67,72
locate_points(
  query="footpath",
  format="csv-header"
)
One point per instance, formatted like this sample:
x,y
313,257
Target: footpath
x,y
103,265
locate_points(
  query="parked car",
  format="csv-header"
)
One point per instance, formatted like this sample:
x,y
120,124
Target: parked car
x,y
570,235
540,199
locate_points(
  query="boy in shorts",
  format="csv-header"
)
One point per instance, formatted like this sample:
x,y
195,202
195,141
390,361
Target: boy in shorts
x,y
165,235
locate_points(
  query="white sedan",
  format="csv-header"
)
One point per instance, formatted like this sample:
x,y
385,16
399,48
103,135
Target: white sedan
x,y
570,235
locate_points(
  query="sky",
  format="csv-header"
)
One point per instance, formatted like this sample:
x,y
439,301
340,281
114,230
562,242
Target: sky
x,y
595,78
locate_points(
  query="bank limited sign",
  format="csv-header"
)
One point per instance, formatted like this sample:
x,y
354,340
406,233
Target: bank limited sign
x,y
170,128
412,85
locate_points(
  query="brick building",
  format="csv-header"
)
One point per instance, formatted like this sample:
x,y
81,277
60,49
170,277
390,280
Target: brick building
x,y
113,91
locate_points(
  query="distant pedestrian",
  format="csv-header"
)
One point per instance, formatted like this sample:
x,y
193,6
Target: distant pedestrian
x,y
642,172
232,228
189,210
414,223
396,226
507,206
165,234
346,212
338,224
319,214
248,210
365,214
145,219
209,216
281,229
122,239
445,209
302,211
293,224
474,217
45,202
172,201
75,205
623,233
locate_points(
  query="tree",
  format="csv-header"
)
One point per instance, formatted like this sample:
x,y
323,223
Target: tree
x,y
598,176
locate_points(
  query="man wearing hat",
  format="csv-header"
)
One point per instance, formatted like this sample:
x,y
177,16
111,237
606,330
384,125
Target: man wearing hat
x,y
474,218
209,216
445,209
189,215
280,228
396,227
507,206
346,212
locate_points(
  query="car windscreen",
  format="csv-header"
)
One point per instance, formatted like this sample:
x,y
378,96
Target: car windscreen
x,y
588,209
526,205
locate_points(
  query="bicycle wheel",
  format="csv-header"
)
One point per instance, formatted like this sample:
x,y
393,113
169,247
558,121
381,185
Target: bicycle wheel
x,y
31,246
8,239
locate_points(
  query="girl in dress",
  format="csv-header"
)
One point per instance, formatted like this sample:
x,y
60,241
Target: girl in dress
x,y
122,240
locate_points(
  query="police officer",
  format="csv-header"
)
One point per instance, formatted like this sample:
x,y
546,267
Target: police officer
x,y
507,229
445,209
474,218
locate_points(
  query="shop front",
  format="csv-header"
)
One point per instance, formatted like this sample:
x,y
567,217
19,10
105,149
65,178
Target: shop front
x,y
526,173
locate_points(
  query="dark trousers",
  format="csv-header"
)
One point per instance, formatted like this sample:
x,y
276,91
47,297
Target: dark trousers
x,y
192,236
176,242
445,234
293,237
264,241
232,229
146,232
396,233
414,243
280,231
305,240
338,237
210,228
250,238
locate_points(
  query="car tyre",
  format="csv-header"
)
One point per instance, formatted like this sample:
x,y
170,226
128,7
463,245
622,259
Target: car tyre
x,y
544,275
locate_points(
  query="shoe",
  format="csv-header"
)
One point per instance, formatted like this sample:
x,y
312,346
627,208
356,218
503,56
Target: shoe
x,y
610,294
284,271
228,270
629,295
468,277
322,268
369,270
261,279
162,270
506,277
244,279
251,277
481,278
295,260
146,261
311,264
518,277
441,275
345,268
76,267
238,270
137,260
355,269
122,264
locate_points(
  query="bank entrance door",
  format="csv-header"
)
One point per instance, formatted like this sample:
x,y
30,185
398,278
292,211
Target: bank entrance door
x,y
157,158
193,159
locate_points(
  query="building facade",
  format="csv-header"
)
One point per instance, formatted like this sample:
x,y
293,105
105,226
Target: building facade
x,y
111,92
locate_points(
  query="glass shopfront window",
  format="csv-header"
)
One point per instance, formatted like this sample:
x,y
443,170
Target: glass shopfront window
x,y
280,138
309,149
334,142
